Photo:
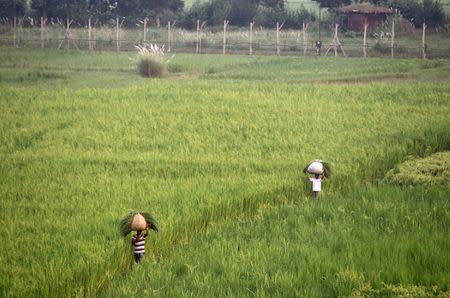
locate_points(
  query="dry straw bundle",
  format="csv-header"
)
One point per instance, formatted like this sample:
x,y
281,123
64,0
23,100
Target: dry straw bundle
x,y
135,221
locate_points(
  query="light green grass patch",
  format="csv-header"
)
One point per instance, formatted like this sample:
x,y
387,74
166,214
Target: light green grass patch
x,y
430,170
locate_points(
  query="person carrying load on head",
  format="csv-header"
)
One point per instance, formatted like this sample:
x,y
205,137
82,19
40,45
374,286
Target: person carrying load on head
x,y
140,222
320,170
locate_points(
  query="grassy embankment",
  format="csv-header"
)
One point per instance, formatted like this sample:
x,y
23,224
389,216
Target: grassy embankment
x,y
215,152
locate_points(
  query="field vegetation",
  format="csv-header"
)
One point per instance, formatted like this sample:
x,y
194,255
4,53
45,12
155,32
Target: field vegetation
x,y
215,151
430,170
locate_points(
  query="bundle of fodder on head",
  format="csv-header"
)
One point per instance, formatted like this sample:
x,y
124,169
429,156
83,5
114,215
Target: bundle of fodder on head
x,y
137,221
318,167
151,61
430,170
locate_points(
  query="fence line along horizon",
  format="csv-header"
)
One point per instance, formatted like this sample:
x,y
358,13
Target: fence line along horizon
x,y
388,40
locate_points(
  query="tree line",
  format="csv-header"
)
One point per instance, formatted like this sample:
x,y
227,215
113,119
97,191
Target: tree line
x,y
265,13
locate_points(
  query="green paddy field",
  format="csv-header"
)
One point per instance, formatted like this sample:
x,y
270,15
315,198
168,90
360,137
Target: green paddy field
x,y
215,150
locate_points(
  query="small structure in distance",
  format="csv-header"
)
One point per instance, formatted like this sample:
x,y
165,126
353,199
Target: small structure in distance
x,y
365,13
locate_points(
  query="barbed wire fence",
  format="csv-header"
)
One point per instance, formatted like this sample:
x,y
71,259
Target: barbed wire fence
x,y
394,38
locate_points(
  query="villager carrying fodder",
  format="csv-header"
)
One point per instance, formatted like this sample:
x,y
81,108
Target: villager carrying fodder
x,y
140,222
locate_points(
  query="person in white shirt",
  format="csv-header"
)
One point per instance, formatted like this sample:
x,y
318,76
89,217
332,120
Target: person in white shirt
x,y
316,185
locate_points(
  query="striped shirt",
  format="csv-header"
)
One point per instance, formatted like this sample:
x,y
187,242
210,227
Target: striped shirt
x,y
138,242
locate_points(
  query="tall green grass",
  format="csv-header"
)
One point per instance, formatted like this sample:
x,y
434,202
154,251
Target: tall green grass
x,y
353,244
207,156
77,69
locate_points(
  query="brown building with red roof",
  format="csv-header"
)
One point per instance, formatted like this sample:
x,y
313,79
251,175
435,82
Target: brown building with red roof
x,y
360,14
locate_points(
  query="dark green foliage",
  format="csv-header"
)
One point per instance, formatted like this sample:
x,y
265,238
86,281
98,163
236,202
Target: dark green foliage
x,y
417,11
432,13
125,222
333,3
326,169
80,10
61,8
241,13
268,17
198,11
152,224
10,8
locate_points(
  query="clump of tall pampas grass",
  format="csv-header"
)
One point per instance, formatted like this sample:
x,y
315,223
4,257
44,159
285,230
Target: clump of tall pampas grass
x,y
152,61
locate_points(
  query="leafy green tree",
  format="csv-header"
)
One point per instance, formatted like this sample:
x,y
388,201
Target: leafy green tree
x,y
220,10
375,2
429,11
332,3
74,9
238,12
40,6
101,8
432,13
272,3
9,8
242,12
141,8
128,8
198,11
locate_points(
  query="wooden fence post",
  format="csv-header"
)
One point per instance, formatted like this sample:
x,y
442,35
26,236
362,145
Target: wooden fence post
x,y
94,41
14,31
117,34
305,39
392,38
198,37
278,37
90,34
202,26
68,36
424,45
42,32
366,25
335,44
251,39
169,46
67,33
145,30
225,24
